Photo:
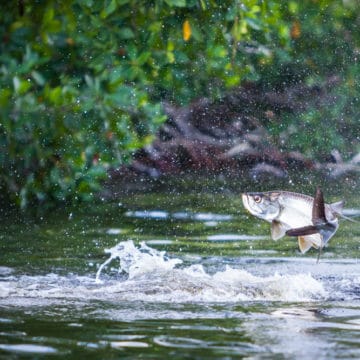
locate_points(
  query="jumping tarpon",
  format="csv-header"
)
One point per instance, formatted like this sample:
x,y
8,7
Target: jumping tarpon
x,y
314,223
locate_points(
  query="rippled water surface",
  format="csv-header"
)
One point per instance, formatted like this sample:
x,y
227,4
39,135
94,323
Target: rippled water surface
x,y
174,276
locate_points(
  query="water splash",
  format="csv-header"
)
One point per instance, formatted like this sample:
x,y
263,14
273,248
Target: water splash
x,y
137,261
153,276
150,275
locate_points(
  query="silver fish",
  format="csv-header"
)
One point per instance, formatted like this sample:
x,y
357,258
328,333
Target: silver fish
x,y
296,215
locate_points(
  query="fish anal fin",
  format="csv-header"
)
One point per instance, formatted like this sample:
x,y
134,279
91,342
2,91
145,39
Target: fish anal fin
x,y
304,245
277,230
306,242
316,240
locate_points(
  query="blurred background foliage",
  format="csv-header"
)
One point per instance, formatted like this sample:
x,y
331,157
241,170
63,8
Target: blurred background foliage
x,y
82,81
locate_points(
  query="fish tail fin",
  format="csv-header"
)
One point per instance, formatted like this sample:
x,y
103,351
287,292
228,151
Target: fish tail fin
x,y
338,207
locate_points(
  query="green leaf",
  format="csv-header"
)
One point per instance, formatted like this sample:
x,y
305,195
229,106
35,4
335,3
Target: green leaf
x,y
110,8
39,79
21,86
54,95
126,33
48,15
176,3
143,58
255,24
5,95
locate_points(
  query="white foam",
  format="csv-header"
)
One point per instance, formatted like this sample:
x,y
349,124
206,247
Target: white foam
x,y
147,274
4,270
137,261
4,290
154,277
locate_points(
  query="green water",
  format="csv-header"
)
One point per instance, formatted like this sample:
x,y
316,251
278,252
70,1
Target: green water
x,y
233,292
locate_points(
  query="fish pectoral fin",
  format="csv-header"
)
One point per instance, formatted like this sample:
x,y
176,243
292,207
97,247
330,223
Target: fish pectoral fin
x,y
277,230
302,231
306,242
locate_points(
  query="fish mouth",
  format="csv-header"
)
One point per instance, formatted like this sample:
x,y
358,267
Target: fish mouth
x,y
244,197
245,200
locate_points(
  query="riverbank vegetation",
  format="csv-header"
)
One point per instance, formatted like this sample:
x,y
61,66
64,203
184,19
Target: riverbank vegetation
x,y
84,84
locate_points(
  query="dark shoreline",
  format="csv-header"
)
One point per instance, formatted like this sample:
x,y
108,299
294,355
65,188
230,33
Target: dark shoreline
x,y
230,139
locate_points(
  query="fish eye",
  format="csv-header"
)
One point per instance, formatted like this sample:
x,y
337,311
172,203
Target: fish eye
x,y
257,198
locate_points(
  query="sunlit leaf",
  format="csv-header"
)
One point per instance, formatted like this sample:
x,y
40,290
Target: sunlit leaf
x,y
186,30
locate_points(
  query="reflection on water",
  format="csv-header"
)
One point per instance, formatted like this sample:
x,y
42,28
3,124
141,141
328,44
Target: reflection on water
x,y
158,214
205,282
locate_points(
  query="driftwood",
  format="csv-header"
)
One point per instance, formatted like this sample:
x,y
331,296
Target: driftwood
x,y
227,136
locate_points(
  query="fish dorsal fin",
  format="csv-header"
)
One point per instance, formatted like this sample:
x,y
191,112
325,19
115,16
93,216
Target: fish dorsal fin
x,y
318,210
306,242
277,230
337,207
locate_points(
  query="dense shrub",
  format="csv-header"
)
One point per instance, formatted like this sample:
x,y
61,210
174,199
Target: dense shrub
x,y
81,82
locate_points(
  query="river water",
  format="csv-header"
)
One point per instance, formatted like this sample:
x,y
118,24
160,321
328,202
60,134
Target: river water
x,y
181,276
